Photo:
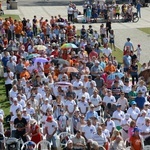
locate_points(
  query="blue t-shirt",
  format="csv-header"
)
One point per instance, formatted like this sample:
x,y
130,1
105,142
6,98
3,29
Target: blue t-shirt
x,y
127,61
140,102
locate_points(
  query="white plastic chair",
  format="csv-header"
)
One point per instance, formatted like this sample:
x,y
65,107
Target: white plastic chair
x,y
61,136
44,145
26,143
128,148
147,147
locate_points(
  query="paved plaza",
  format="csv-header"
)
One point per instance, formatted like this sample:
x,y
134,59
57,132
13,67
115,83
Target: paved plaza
x,y
122,30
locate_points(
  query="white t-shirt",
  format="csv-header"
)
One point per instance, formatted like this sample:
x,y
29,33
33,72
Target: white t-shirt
x,y
89,131
126,121
140,122
51,126
145,129
22,103
126,89
110,125
143,89
78,84
83,106
107,51
12,93
120,115
30,110
13,108
45,107
70,105
133,112
8,80
109,99
95,101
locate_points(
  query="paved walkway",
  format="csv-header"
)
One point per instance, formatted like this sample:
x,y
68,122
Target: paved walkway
x,y
122,30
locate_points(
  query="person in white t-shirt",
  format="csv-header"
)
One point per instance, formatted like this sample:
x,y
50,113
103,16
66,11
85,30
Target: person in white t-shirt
x,y
125,124
118,115
70,105
145,129
9,77
141,87
78,85
15,106
83,105
109,98
45,106
13,93
141,119
96,100
133,111
89,130
110,124
51,128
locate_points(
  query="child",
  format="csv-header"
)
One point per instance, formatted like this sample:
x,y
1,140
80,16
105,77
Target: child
x,y
138,50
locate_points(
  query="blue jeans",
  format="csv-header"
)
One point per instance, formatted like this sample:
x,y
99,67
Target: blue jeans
x,y
139,12
53,140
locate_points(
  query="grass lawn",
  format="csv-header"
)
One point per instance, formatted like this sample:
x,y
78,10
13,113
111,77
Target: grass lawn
x,y
146,30
15,17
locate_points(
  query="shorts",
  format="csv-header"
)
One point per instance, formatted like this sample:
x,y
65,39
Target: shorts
x,y
117,14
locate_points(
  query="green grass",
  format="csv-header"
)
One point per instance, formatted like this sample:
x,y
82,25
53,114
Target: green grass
x,y
15,17
146,30
4,104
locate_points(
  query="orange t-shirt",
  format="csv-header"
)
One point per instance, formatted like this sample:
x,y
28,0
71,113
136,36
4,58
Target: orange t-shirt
x,y
110,69
25,74
18,30
136,142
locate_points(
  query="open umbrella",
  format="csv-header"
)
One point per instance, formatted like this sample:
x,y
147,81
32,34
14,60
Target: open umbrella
x,y
40,59
69,69
68,45
63,84
40,47
112,76
31,56
146,74
59,61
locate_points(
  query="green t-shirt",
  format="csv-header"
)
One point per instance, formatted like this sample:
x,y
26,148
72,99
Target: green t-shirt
x,y
132,95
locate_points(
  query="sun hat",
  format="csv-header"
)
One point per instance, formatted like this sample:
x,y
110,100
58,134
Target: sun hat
x,y
32,121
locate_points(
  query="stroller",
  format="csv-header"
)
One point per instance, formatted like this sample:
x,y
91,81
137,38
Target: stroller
x,y
13,144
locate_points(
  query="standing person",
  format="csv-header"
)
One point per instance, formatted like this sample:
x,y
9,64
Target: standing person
x,y
108,27
70,13
138,8
111,39
8,81
35,21
138,50
129,45
102,33
88,14
136,140
134,72
127,62
51,127
20,124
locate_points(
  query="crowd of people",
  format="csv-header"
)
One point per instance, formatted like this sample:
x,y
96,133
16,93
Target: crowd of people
x,y
94,10
58,80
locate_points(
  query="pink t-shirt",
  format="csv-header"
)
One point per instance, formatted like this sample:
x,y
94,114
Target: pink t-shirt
x,y
130,132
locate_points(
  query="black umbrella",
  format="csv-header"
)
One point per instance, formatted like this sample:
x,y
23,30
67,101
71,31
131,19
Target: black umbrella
x,y
59,61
